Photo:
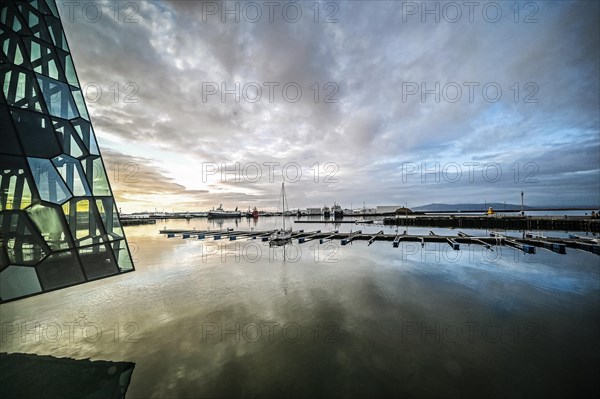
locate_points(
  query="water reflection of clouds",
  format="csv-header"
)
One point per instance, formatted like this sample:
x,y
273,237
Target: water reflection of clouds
x,y
575,272
370,294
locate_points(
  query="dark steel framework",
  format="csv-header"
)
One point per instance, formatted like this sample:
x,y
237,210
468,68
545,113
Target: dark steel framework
x,y
59,224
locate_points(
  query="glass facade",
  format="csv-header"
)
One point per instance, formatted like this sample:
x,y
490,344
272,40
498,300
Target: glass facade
x,y
59,224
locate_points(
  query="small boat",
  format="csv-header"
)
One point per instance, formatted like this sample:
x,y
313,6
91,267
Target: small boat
x,y
282,236
221,213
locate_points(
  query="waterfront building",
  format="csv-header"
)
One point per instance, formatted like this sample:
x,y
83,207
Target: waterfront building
x,y
58,218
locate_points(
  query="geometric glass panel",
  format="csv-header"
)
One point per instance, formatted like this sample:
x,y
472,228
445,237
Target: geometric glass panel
x,y
9,17
49,184
8,134
57,34
100,183
97,261
35,21
11,48
18,281
80,103
43,58
108,213
70,141
22,243
36,133
70,71
85,131
72,173
60,269
58,98
59,223
19,88
4,262
49,221
83,221
94,170
52,8
122,255
15,192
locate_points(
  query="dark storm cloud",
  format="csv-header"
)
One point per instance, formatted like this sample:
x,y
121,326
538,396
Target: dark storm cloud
x,y
370,55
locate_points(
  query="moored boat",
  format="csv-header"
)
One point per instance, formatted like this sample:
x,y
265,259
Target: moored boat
x,y
283,235
221,213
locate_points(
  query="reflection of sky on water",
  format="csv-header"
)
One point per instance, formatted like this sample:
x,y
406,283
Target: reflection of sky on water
x,y
370,293
475,267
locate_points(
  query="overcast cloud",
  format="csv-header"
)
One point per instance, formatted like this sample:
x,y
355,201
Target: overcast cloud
x,y
541,133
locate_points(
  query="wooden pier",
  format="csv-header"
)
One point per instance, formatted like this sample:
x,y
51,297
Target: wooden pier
x,y
529,244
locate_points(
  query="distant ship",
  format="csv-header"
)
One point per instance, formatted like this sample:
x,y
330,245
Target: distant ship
x,y
221,213
337,211
252,214
326,212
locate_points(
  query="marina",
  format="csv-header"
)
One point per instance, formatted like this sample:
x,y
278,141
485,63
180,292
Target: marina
x,y
436,234
501,222
529,243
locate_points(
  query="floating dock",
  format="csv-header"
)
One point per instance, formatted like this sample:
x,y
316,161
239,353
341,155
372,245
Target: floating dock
x,y
529,244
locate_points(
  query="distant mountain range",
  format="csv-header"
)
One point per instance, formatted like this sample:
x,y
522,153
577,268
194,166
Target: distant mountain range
x,y
468,207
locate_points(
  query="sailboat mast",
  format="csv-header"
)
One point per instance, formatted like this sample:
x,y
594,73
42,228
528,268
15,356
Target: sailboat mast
x,y
283,205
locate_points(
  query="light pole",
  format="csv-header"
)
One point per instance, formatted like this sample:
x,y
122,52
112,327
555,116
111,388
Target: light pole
x,y
406,216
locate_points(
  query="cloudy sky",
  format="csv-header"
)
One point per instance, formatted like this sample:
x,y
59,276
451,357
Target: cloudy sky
x,y
383,102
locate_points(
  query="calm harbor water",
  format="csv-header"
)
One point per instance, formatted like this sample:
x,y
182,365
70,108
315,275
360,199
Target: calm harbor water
x,y
238,319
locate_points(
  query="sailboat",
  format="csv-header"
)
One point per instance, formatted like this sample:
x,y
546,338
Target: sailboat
x,y
281,236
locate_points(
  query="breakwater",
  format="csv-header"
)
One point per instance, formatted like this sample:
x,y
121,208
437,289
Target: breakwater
x,y
573,223
135,222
